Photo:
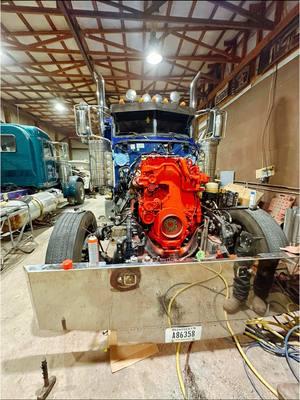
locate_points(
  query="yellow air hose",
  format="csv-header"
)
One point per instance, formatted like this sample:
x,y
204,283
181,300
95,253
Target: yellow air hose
x,y
238,345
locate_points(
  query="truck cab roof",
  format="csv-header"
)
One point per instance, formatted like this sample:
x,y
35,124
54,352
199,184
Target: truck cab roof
x,y
151,118
30,131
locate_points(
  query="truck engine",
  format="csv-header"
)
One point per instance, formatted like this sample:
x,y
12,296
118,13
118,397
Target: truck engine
x,y
167,200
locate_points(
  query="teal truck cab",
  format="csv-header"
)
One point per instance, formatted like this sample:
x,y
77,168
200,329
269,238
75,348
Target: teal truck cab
x,y
29,159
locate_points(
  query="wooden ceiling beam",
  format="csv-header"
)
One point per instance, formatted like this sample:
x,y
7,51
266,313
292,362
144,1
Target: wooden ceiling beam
x,y
46,91
201,44
203,22
76,33
202,57
63,44
46,101
130,49
130,76
179,46
23,48
56,74
122,7
256,51
99,26
46,73
120,56
47,84
155,6
110,43
170,19
58,38
264,22
41,63
150,10
181,28
27,53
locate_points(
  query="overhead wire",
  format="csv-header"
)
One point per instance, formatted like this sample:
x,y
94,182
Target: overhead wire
x,y
272,96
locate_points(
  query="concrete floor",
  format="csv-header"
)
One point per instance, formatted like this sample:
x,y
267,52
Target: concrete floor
x,y
82,368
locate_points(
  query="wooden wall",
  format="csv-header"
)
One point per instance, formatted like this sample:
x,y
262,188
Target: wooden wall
x,y
241,149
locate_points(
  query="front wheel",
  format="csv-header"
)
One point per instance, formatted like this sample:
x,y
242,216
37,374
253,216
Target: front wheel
x,y
68,236
270,239
79,193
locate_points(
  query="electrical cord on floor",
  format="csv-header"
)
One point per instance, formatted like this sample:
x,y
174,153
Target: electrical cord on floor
x,y
235,338
288,355
274,349
178,345
248,373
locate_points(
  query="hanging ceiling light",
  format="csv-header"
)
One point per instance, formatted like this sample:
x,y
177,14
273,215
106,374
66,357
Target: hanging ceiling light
x,y
59,106
153,54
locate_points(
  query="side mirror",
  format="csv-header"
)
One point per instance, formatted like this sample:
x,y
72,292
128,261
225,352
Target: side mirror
x,y
89,120
82,120
216,124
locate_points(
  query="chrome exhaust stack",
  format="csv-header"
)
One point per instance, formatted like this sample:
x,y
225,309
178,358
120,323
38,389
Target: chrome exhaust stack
x,y
207,132
193,90
89,119
100,92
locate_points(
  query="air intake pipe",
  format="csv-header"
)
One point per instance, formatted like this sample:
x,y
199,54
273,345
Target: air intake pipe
x,y
193,90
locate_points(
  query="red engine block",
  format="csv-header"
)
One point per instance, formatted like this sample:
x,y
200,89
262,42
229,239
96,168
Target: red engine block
x,y
169,202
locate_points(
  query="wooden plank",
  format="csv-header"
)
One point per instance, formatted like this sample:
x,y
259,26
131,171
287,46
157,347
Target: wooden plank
x,y
123,356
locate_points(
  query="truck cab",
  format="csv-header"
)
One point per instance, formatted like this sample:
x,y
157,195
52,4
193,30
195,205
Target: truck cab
x,y
149,128
29,159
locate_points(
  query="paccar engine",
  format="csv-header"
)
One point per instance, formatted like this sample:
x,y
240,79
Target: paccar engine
x,y
167,190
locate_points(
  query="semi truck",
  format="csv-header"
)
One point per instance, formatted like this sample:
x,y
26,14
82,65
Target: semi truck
x,y
155,161
31,161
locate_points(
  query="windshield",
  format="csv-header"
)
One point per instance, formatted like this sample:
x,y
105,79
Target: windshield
x,y
151,122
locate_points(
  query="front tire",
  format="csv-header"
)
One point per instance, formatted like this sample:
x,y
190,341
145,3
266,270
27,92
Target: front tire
x,y
260,224
79,193
68,236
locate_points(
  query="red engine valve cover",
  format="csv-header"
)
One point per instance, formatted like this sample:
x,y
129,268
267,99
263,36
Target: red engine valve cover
x,y
169,202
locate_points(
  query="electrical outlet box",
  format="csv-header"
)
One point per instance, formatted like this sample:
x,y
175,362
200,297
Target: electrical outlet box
x,y
265,172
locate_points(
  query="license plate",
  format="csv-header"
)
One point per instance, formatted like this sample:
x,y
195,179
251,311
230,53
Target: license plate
x,y
183,334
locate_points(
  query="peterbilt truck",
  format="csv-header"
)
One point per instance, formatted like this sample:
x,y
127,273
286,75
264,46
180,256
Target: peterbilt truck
x,y
156,164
